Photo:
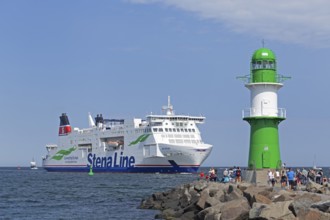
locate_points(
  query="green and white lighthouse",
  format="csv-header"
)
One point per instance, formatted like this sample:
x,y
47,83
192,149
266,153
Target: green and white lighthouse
x,y
264,116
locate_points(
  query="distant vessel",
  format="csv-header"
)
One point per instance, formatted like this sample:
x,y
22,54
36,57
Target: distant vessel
x,y
33,165
165,143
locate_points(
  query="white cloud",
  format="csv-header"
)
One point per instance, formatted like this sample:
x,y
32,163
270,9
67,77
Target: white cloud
x,y
296,21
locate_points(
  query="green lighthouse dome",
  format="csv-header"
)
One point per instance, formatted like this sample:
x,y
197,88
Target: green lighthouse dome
x,y
264,54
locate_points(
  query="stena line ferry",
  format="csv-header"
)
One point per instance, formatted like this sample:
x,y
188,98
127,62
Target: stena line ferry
x,y
166,143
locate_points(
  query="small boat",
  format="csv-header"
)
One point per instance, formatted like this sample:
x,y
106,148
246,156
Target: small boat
x,y
33,165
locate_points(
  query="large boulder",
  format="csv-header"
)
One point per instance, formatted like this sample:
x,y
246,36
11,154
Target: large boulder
x,y
283,195
312,214
262,199
235,209
278,210
232,193
251,191
202,199
200,185
304,202
315,187
323,206
185,199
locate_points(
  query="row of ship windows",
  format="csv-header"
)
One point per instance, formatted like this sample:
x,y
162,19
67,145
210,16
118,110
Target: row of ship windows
x,y
177,124
173,130
178,136
180,141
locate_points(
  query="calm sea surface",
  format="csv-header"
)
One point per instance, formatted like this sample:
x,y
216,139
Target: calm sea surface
x,y
37,194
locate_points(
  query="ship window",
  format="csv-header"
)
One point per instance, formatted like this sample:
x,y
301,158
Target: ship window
x,y
174,130
166,129
193,130
170,129
186,130
189,130
160,130
154,129
181,129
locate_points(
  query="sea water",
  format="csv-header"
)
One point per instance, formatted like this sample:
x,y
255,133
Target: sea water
x,y
38,194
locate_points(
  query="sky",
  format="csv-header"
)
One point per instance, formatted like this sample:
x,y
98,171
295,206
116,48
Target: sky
x,y
123,58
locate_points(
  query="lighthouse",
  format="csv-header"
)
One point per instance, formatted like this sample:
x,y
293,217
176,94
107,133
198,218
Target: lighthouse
x,y
264,115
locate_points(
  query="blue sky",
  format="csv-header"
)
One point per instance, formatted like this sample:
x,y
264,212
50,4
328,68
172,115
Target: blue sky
x,y
123,58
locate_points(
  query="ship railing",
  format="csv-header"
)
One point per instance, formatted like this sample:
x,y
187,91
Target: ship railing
x,y
268,112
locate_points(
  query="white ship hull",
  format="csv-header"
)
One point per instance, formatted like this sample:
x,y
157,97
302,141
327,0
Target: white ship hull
x,y
162,143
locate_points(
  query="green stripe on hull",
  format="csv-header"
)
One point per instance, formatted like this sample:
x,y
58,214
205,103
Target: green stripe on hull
x,y
264,143
139,139
60,154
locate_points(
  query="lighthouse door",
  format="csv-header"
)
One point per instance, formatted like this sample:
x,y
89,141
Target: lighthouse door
x,y
265,159
265,107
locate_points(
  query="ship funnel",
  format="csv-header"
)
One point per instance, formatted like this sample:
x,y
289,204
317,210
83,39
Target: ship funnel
x,y
99,120
65,127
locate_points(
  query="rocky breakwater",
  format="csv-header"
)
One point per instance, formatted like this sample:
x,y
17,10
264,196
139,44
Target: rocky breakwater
x,y
203,200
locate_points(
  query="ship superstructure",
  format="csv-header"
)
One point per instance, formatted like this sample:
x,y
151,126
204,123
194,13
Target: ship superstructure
x,y
165,143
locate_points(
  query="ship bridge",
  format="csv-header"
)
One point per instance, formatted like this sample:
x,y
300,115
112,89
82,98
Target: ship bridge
x,y
170,116
175,118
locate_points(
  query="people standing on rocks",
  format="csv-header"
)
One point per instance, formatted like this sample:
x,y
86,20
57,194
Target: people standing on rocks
x,y
201,175
319,176
225,178
277,176
291,177
238,175
233,174
304,174
298,178
225,172
212,174
271,179
283,179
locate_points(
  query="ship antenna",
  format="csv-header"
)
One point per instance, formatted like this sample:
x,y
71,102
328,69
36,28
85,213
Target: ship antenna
x,y
169,107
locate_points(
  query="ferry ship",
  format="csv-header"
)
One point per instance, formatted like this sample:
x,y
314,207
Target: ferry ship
x,y
165,143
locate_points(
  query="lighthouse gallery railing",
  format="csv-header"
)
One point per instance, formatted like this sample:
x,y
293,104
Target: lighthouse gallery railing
x,y
265,112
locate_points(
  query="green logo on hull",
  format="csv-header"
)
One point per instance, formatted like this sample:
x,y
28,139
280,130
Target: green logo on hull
x,y
140,139
59,155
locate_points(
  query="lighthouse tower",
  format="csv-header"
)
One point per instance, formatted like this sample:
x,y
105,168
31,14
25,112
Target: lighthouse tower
x,y
264,115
